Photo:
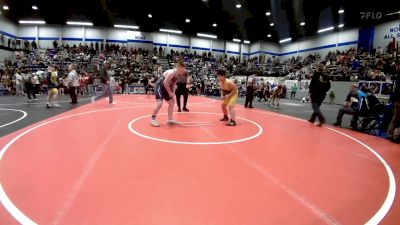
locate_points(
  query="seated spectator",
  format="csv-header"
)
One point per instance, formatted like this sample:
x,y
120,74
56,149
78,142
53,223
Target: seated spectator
x,y
350,107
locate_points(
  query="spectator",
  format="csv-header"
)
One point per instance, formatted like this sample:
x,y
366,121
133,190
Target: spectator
x,y
350,107
105,81
19,83
73,83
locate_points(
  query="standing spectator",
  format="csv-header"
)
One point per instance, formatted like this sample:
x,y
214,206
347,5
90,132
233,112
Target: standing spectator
x,y
145,82
27,76
106,88
396,116
18,83
36,83
122,83
319,85
55,44
73,83
293,91
82,86
113,84
251,83
89,81
26,44
61,86
34,45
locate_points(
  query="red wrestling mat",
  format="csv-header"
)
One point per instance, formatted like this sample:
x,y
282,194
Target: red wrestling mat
x,y
105,164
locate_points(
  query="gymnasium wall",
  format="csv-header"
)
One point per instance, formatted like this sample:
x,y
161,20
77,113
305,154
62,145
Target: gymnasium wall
x,y
47,35
384,33
7,28
218,47
322,43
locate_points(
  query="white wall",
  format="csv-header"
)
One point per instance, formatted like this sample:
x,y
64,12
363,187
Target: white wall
x,y
245,51
160,38
255,47
179,42
72,32
232,48
269,48
384,33
139,39
287,48
94,34
27,32
48,34
323,43
245,48
116,36
201,43
7,27
218,47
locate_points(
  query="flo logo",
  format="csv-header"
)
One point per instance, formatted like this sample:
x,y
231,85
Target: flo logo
x,y
371,15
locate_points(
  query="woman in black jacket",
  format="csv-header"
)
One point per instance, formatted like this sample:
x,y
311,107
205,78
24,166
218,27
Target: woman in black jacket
x,y
319,85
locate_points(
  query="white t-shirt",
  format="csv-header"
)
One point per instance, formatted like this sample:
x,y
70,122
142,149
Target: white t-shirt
x,y
35,79
18,78
112,81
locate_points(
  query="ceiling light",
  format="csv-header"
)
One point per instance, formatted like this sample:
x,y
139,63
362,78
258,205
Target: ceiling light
x,y
34,7
393,13
214,25
126,26
268,13
341,11
187,20
150,16
269,35
302,24
271,24
341,25
32,22
80,23
325,29
237,40
5,7
206,35
246,42
238,6
285,40
171,31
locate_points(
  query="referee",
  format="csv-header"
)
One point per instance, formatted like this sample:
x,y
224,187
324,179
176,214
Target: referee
x,y
251,84
182,90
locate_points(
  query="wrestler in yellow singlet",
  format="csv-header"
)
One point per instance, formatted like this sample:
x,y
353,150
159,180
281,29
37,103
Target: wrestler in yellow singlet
x,y
229,93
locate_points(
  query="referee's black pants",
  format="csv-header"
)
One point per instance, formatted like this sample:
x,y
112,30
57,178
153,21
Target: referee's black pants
x,y
249,96
181,90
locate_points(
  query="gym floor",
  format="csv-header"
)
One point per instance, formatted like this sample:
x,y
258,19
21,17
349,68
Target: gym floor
x,y
104,164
